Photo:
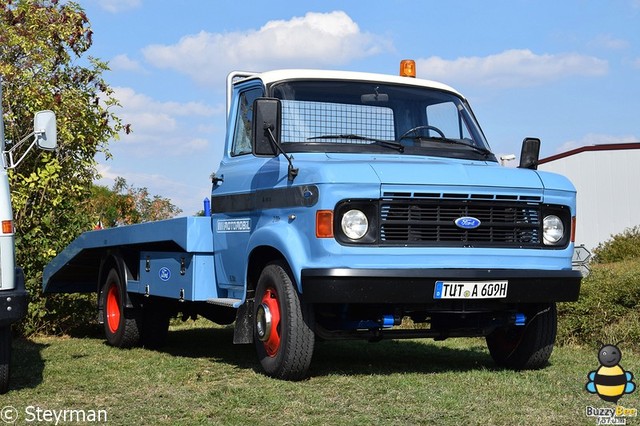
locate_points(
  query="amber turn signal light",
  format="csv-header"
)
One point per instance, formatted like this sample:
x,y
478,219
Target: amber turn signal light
x,y
7,227
324,224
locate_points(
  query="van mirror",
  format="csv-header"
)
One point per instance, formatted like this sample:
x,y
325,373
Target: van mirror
x,y
267,113
530,153
45,130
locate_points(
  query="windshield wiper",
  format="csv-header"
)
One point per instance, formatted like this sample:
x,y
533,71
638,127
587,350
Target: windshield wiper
x,y
478,149
387,144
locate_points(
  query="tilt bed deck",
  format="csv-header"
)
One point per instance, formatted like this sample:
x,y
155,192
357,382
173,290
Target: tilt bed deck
x,y
180,240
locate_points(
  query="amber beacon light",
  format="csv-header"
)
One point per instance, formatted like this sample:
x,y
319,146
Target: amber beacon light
x,y
408,68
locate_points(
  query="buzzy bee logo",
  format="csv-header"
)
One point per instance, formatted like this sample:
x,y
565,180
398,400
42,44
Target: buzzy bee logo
x,y
610,382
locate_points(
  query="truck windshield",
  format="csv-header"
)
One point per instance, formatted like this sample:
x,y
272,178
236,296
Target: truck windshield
x,y
353,116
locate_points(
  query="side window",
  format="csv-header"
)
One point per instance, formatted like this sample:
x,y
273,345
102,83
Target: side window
x,y
446,117
244,119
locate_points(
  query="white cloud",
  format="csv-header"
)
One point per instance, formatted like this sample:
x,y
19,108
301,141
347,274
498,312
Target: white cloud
x,y
137,179
596,139
607,41
143,121
314,40
511,68
115,6
106,175
156,124
197,144
133,101
170,150
180,193
124,63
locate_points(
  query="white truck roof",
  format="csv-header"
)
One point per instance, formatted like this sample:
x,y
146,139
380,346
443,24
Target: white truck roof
x,y
309,74
269,77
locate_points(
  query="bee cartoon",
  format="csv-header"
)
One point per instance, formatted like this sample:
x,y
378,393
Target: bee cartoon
x,y
610,381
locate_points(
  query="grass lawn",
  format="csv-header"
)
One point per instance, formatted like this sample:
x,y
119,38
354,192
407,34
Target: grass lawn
x,y
202,378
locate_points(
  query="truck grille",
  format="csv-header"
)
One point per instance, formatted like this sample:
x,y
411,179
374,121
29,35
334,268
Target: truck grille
x,y
431,222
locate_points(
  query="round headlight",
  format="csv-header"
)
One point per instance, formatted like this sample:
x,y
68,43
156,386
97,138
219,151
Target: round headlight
x,y
553,230
354,224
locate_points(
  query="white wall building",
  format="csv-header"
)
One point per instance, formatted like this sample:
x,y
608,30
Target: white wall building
x,y
607,178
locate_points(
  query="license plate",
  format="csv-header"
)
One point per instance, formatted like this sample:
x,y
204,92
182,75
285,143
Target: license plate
x,y
470,290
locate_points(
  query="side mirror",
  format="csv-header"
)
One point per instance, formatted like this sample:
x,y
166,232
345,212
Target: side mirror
x,y
530,153
45,130
267,113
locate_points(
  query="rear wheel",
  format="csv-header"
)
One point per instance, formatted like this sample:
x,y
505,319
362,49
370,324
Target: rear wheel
x,y
5,358
121,325
284,340
528,347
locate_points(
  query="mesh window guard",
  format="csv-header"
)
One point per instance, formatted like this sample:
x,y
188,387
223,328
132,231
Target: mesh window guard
x,y
302,120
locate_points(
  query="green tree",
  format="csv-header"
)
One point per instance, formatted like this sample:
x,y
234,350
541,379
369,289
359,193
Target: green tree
x,y
42,60
124,205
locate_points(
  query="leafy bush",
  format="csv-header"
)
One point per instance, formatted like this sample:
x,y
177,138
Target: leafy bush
x,y
608,310
620,247
44,66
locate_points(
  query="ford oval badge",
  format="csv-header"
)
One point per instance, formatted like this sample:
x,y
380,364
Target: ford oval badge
x,y
164,273
467,222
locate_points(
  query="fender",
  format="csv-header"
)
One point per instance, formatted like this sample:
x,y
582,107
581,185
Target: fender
x,y
282,237
114,259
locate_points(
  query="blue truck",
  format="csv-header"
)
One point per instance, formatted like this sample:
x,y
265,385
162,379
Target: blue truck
x,y
346,206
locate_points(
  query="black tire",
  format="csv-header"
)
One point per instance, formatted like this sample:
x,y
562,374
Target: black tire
x,y
155,324
528,347
286,349
5,358
121,325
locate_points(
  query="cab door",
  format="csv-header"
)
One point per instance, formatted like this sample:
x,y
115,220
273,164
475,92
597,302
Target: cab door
x,y
232,206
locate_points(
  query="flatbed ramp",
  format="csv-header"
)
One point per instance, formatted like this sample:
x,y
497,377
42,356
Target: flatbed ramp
x,y
75,269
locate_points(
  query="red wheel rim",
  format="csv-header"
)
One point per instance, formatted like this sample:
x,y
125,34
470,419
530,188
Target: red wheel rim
x,y
272,344
113,308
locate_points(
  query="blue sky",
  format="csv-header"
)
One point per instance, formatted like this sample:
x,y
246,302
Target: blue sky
x,y
566,71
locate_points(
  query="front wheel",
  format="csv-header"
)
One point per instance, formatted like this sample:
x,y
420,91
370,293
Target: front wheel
x,y
283,338
528,347
121,325
5,358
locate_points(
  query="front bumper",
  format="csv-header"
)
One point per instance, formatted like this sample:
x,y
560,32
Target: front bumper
x,y
416,286
14,303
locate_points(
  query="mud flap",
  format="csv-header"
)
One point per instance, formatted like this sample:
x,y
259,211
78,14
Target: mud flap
x,y
243,331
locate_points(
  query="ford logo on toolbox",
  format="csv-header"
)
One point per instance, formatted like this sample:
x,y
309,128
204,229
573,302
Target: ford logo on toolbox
x,y
467,222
